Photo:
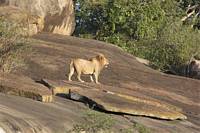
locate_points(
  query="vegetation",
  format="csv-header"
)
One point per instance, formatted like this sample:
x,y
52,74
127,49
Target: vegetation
x,y
97,122
137,128
13,46
159,31
141,129
94,122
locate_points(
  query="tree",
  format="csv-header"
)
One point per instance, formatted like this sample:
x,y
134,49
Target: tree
x,y
192,13
150,29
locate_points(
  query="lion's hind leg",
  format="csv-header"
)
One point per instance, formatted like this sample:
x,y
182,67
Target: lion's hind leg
x,y
79,76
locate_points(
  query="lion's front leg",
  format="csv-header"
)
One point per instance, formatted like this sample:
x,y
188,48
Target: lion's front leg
x,y
79,77
96,74
91,78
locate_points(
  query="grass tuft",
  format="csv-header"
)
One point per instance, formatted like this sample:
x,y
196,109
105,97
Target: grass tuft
x,y
94,122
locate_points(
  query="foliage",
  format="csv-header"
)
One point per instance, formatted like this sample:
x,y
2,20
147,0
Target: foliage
x,y
139,128
185,3
150,29
173,48
133,19
97,122
13,45
94,122
194,19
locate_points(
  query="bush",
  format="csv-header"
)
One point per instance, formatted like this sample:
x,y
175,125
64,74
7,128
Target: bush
x,y
13,46
175,46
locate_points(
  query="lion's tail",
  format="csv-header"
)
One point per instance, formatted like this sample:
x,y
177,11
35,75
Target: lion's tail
x,y
71,66
71,70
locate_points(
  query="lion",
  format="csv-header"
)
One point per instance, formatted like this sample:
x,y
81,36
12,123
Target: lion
x,y
90,67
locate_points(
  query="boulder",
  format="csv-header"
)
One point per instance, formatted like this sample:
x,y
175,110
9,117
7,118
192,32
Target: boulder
x,y
24,87
143,61
53,54
194,68
108,99
30,24
126,82
52,16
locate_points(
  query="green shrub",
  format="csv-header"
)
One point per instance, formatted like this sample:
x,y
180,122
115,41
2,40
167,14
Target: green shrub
x,y
174,47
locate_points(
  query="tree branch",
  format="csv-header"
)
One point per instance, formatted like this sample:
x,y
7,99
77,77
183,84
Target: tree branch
x,y
188,15
195,9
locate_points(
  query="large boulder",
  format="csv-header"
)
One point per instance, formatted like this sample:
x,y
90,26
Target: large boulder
x,y
127,87
125,74
30,24
195,69
24,87
53,16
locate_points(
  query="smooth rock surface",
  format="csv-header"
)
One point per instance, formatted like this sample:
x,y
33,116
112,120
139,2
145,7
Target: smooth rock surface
x,y
29,116
51,58
124,71
104,98
24,115
53,54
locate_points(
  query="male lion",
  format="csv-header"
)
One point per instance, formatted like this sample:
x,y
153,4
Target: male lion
x,y
91,67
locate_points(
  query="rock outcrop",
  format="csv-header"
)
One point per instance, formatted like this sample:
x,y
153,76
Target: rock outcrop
x,y
125,74
24,87
30,24
194,69
127,87
52,16
107,98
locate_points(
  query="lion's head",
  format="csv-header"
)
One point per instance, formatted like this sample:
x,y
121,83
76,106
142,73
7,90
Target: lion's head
x,y
102,60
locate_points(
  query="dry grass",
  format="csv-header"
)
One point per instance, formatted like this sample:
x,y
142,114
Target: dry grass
x,y
13,46
95,122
